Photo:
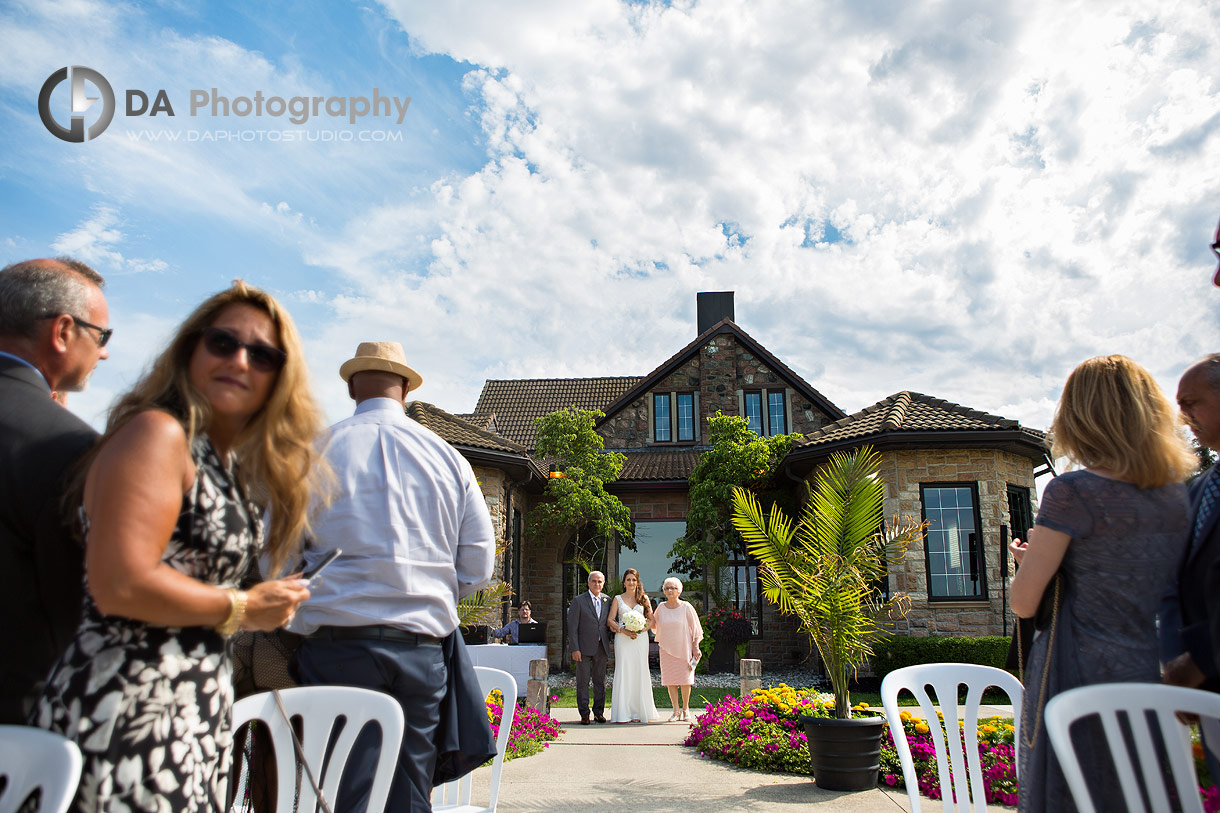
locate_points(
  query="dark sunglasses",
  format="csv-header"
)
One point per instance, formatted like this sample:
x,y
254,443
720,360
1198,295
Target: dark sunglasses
x,y
104,333
223,344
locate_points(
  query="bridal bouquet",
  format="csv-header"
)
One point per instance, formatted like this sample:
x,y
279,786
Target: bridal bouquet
x,y
634,621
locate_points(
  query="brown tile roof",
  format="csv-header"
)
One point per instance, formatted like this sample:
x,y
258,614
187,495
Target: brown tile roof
x,y
516,403
912,412
666,464
483,421
460,432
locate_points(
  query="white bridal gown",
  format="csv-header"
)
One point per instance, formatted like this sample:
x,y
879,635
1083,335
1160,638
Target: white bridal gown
x,y
632,699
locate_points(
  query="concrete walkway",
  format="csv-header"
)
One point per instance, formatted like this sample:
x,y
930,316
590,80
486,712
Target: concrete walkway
x,y
646,768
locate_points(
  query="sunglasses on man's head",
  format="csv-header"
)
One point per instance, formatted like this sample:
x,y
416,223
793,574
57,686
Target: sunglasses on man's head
x,y
223,344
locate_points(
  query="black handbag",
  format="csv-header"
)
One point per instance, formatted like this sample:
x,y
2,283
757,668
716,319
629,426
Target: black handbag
x,y
262,661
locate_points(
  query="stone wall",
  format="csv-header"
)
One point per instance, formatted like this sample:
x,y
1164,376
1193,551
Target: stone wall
x,y
542,584
502,496
993,471
721,368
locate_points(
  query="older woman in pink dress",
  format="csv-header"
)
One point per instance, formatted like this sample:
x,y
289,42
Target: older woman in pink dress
x,y
678,635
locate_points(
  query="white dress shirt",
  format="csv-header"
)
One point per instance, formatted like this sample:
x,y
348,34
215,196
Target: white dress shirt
x,y
411,521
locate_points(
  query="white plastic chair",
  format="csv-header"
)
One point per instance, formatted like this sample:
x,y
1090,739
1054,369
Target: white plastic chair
x,y
945,678
1135,700
454,797
320,708
31,758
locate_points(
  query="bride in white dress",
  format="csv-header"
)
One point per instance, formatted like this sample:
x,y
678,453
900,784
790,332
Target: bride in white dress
x,y
631,701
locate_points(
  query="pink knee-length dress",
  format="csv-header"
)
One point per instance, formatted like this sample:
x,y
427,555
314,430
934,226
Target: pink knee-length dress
x,y
678,635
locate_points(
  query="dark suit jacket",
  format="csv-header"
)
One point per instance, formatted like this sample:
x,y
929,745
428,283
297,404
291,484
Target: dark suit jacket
x,y
585,631
1198,579
41,564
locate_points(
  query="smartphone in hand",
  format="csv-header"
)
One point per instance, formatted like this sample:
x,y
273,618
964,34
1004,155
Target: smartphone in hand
x,y
315,571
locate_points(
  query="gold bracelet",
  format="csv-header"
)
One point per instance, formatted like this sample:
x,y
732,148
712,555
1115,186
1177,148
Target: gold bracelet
x,y
237,613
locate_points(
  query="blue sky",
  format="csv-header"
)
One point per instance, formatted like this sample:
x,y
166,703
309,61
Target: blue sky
x,y
960,199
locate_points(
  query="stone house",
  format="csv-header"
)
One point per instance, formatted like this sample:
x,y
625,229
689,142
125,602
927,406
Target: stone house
x,y
968,472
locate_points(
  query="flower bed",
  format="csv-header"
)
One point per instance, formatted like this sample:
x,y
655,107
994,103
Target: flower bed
x,y
995,737
763,732
531,732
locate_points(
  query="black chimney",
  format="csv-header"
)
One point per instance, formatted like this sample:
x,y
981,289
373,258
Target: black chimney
x,y
713,306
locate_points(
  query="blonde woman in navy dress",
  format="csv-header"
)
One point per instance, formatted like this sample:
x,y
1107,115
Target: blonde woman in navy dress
x,y
1115,529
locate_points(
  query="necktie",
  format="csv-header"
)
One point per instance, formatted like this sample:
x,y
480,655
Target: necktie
x,y
1207,507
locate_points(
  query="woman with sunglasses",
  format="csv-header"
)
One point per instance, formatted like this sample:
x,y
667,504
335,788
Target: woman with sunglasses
x,y
219,430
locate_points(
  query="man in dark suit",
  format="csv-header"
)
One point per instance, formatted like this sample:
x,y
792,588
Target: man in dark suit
x,y
53,331
589,639
1186,641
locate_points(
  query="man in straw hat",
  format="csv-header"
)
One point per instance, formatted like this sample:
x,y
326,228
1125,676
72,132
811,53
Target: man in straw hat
x,y
416,537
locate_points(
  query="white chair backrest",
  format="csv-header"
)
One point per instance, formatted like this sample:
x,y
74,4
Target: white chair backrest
x,y
320,708
945,679
32,758
454,797
1136,701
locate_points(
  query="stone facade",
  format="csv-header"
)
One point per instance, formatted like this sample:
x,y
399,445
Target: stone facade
x,y
718,373
502,496
992,470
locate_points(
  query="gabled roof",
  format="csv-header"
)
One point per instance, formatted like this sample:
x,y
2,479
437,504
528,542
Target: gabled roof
x,y
516,403
912,419
728,326
474,442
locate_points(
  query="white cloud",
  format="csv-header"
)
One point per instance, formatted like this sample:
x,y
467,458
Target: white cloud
x,y
96,239
960,199
1011,181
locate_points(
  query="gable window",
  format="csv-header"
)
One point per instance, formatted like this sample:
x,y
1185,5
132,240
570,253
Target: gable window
x,y
954,550
776,413
753,410
662,430
686,415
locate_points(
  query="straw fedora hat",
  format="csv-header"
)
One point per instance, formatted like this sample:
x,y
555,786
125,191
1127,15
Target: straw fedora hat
x,y
386,357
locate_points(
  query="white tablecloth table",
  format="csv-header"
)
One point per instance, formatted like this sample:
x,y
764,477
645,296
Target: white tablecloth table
x,y
512,659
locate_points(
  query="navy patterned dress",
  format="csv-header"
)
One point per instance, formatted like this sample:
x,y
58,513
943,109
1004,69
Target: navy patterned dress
x,y
1127,543
149,706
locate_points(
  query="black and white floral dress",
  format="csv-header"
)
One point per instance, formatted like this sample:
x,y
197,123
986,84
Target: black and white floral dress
x,y
149,706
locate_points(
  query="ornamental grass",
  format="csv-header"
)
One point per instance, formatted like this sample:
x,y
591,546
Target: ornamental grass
x,y
532,730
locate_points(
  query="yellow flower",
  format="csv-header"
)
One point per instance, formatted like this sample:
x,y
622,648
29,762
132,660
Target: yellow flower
x,y
905,716
921,727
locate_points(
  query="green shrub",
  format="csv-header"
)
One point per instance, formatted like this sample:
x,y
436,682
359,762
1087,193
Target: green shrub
x,y
897,651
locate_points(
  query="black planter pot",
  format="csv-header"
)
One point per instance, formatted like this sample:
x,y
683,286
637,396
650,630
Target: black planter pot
x,y
722,658
844,754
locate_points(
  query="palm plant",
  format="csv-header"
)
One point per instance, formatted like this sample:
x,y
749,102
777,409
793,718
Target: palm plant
x,y
824,571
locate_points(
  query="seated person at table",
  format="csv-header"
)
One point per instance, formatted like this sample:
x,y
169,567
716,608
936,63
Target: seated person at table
x,y
510,629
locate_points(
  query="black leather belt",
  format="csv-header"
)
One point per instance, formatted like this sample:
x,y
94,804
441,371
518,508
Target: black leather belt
x,y
376,633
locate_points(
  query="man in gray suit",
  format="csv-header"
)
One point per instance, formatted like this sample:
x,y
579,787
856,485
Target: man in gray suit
x,y
54,326
589,638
